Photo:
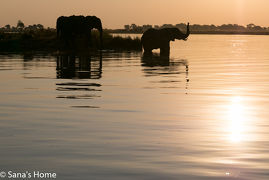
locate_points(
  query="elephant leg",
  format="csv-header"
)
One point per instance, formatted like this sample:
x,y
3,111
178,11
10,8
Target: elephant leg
x,y
165,50
65,42
89,39
147,51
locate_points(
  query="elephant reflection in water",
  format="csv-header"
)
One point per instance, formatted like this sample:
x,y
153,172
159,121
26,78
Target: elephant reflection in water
x,y
72,28
169,73
80,67
160,38
155,65
159,61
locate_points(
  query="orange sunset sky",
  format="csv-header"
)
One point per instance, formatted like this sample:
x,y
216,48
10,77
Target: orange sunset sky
x,y
116,13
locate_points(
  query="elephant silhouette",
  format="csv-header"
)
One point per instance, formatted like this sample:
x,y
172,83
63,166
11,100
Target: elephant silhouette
x,y
73,27
160,38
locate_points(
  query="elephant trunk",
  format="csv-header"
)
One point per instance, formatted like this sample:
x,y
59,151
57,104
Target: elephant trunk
x,y
187,33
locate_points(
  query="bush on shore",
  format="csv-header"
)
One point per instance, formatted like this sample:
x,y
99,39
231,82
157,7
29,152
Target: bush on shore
x,y
46,40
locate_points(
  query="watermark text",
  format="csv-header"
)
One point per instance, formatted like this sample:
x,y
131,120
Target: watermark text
x,y
28,175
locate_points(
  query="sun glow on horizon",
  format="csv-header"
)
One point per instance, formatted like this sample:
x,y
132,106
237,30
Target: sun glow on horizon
x,y
240,11
115,14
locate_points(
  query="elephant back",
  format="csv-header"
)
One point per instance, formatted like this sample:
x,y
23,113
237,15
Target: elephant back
x,y
149,34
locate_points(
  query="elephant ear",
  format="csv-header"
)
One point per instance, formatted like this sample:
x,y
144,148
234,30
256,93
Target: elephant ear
x,y
171,34
94,22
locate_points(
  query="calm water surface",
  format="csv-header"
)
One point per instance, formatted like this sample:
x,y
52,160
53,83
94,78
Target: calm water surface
x,y
201,115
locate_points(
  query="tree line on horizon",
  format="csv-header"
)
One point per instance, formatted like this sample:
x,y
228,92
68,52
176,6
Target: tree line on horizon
x,y
20,27
133,28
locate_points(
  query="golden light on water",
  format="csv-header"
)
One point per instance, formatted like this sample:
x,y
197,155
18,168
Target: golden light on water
x,y
237,120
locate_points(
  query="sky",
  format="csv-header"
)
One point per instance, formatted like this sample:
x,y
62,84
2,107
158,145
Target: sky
x,y
117,13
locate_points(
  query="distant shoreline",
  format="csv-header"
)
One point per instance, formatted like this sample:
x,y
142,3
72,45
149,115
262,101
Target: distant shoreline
x,y
200,32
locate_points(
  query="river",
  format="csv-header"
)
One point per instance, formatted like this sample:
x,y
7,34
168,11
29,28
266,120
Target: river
x,y
201,115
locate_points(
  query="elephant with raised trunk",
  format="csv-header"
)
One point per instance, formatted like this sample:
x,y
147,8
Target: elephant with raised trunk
x,y
160,38
72,27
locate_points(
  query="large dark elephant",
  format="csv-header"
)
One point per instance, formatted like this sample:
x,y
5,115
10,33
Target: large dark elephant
x,y
72,27
160,38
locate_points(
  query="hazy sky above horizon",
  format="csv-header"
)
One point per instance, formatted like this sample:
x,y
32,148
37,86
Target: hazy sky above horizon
x,y
116,13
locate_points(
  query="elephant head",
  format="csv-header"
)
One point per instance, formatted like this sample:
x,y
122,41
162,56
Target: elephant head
x,y
95,22
61,24
175,33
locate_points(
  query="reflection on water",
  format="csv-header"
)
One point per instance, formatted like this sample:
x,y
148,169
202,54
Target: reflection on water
x,y
201,114
83,66
237,120
70,66
156,65
28,57
167,68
